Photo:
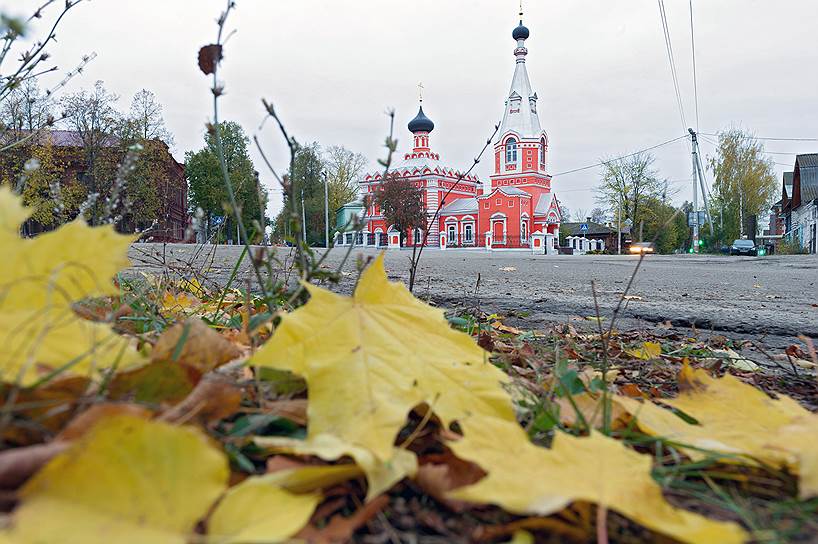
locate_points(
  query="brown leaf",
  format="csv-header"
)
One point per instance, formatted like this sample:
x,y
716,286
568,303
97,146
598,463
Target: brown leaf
x,y
295,409
209,57
340,529
154,383
632,390
80,425
17,465
213,399
282,462
439,474
194,344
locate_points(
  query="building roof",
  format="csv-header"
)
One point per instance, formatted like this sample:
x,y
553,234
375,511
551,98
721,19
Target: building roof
x,y
421,123
460,205
520,114
544,204
594,229
808,170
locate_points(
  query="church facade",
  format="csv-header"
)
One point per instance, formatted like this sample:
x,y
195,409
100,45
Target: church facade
x,y
517,211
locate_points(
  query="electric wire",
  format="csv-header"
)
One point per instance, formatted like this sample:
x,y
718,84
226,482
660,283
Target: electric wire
x,y
602,163
672,62
695,77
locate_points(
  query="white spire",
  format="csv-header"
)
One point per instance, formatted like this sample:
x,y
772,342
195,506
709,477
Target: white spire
x,y
521,104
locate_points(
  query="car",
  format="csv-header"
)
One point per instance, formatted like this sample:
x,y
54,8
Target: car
x,y
744,247
641,247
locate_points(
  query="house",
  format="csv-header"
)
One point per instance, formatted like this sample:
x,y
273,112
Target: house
x,y
800,203
597,237
62,155
518,210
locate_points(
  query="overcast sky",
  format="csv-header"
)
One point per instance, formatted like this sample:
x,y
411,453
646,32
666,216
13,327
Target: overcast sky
x,y
333,67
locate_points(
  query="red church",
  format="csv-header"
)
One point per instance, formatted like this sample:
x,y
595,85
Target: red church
x,y
519,211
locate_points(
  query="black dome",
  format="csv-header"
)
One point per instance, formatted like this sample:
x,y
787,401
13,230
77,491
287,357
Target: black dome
x,y
421,123
520,33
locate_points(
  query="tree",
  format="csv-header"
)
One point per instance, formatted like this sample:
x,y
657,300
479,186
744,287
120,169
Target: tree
x,y
343,169
24,110
565,212
307,202
744,184
598,215
145,121
207,187
401,204
630,186
93,117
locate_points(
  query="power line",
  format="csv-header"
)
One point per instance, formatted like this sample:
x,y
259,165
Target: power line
x,y
672,62
602,163
772,139
695,78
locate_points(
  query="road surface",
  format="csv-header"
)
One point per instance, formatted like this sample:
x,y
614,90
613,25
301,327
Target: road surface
x,y
773,298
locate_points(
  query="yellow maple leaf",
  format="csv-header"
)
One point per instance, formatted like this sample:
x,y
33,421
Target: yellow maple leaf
x,y
254,512
127,481
381,473
648,350
526,479
39,281
370,358
735,418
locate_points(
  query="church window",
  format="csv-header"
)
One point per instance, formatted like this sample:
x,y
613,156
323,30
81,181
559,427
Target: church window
x,y
418,237
468,233
452,238
511,151
542,151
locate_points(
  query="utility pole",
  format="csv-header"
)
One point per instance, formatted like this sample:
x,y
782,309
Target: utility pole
x,y
700,174
303,218
326,209
695,195
619,226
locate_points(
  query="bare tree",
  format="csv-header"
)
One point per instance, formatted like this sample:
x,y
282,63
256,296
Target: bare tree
x,y
145,121
25,109
93,117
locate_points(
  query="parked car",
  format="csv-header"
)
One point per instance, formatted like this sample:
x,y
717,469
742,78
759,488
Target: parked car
x,y
744,247
641,247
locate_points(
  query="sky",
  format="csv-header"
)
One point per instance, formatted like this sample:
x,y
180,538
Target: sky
x,y
332,68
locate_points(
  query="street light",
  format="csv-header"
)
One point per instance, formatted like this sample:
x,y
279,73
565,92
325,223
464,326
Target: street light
x,y
326,208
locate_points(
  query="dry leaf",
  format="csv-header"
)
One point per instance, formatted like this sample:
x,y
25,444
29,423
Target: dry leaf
x,y
40,280
209,57
647,351
19,464
213,399
366,370
340,529
526,479
84,422
194,344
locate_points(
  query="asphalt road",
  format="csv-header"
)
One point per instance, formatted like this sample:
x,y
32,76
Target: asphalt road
x,y
772,298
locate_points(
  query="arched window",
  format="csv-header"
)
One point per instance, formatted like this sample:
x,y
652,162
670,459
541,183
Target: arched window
x,y
511,151
542,151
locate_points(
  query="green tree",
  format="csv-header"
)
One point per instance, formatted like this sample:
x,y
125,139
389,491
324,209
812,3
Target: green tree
x,y
630,186
207,187
306,179
343,169
744,184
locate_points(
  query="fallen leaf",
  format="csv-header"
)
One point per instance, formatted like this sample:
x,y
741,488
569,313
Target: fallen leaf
x,y
84,422
293,409
340,529
127,481
40,280
594,469
381,474
209,57
365,368
154,383
732,359
590,408
439,474
194,344
647,351
736,419
213,399
19,464
256,511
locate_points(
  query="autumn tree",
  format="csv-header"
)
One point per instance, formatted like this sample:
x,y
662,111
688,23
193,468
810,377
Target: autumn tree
x,y
94,119
401,204
207,186
630,185
343,169
744,184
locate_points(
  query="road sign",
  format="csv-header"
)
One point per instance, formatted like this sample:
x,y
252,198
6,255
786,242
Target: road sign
x,y
583,227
